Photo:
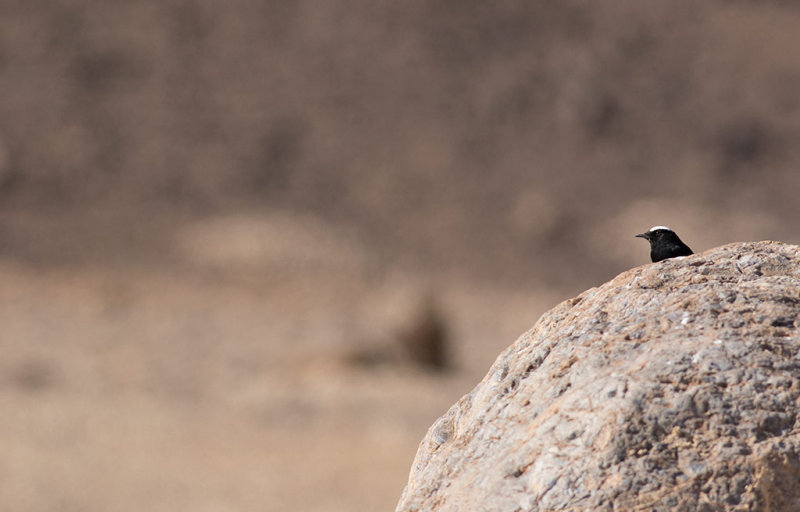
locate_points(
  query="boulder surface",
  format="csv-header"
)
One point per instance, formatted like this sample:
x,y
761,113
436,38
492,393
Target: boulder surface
x,y
672,387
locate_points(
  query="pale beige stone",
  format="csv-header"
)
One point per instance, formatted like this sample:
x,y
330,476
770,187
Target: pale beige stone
x,y
672,387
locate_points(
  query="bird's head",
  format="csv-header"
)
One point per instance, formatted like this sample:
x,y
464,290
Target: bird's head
x,y
657,233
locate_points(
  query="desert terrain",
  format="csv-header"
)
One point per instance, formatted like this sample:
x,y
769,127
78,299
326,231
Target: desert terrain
x,y
219,221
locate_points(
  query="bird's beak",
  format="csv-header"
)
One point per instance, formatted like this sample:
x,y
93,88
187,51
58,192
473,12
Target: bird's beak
x,y
643,235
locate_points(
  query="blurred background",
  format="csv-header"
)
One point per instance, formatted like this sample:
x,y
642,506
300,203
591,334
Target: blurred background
x,y
251,250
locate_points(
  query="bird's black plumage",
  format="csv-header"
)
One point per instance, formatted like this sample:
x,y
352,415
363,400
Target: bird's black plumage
x,y
664,243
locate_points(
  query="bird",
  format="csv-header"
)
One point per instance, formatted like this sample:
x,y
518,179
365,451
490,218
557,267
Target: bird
x,y
664,243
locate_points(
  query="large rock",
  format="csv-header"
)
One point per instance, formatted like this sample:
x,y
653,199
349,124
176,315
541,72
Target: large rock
x,y
672,387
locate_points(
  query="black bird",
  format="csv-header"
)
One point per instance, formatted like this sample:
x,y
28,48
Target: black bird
x,y
664,243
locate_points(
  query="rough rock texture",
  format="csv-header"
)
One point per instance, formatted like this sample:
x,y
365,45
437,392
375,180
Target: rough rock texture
x,y
672,387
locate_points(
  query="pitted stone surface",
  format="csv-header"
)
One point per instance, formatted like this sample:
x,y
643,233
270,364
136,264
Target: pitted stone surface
x,y
672,387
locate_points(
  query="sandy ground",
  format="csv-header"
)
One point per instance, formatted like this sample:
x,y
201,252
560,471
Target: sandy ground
x,y
125,389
